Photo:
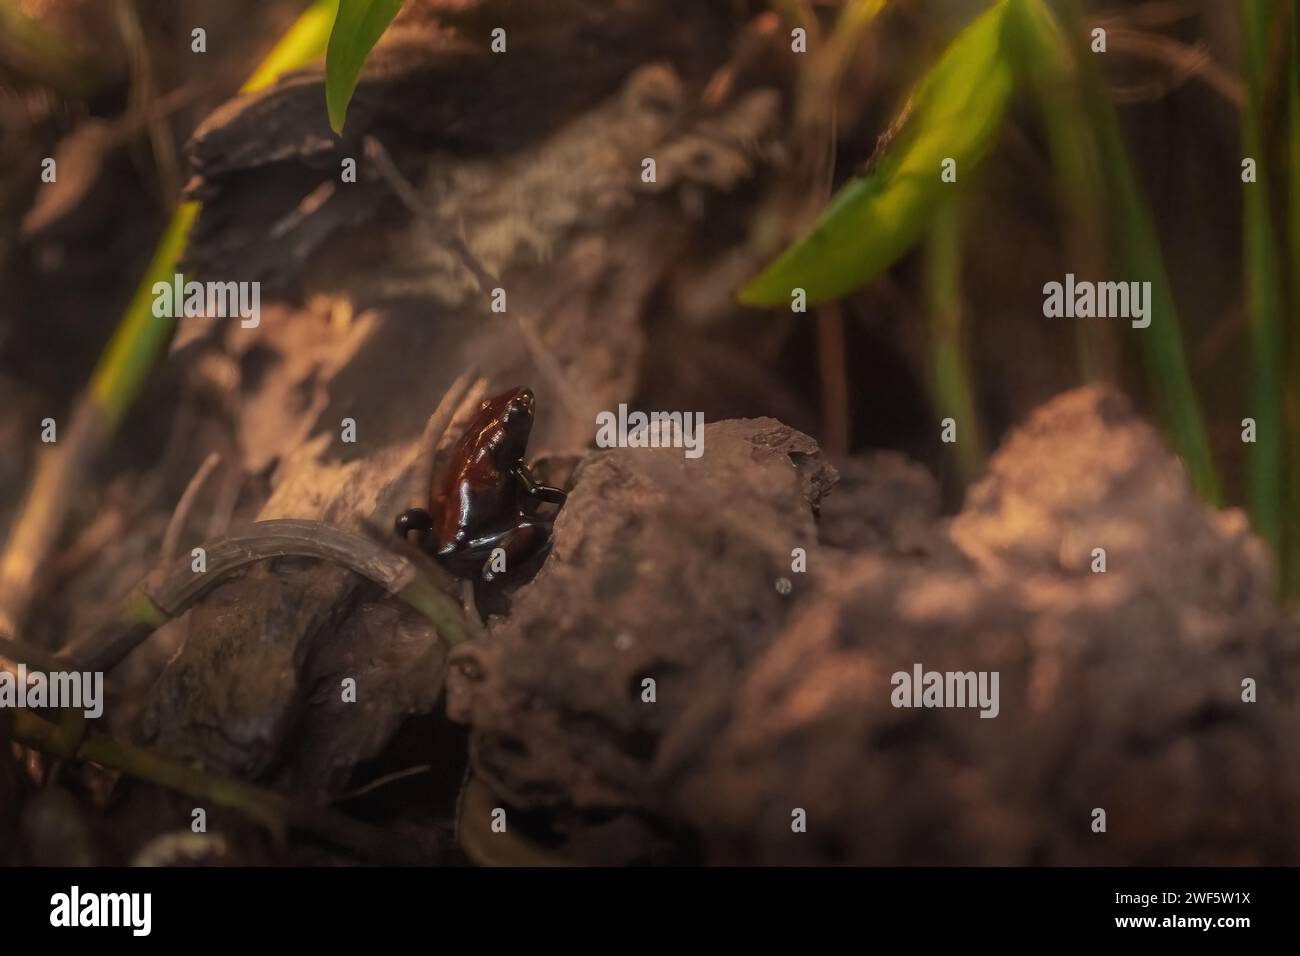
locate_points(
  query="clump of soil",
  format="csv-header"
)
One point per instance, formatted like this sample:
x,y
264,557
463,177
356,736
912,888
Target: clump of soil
x,y
1119,691
664,569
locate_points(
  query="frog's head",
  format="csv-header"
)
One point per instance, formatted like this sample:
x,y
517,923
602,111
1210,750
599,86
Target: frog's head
x,y
512,412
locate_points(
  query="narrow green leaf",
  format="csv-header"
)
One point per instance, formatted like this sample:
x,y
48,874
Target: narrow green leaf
x,y
1134,234
1263,285
949,379
123,369
1091,158
1046,71
1291,529
141,336
357,29
305,41
956,110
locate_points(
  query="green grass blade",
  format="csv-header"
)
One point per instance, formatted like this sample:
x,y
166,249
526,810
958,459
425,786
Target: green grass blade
x,y
304,42
1262,284
140,336
1048,74
1135,236
357,29
1130,229
1291,524
1047,71
949,379
957,109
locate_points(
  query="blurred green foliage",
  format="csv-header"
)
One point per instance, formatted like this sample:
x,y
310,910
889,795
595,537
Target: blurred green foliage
x,y
1262,284
955,112
141,336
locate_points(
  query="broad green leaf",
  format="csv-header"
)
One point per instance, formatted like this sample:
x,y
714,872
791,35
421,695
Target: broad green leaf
x,y
357,29
956,111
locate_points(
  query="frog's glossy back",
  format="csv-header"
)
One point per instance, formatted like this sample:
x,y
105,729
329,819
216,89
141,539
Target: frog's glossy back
x,y
478,493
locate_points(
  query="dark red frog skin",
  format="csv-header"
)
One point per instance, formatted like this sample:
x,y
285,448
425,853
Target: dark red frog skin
x,y
487,498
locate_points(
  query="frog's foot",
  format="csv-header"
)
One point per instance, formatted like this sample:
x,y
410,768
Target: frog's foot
x,y
537,494
417,519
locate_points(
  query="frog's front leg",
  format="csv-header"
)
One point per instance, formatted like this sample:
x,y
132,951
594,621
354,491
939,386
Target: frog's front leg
x,y
537,493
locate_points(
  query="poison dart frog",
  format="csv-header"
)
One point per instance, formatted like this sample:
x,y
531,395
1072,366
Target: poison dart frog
x,y
487,498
